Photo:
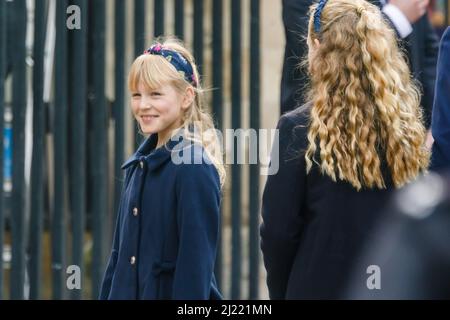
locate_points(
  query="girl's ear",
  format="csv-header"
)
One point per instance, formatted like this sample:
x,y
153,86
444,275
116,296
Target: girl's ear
x,y
316,43
188,98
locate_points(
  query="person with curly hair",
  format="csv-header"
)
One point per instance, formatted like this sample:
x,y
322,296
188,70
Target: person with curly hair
x,y
407,18
359,137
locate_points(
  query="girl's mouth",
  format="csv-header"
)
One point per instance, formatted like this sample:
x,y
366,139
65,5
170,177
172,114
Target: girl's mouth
x,y
147,119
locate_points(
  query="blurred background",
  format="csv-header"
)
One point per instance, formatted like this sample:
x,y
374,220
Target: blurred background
x,y
67,128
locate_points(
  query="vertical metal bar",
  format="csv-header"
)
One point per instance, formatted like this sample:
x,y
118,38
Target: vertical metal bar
x,y
60,152
77,163
119,102
217,62
98,143
19,109
139,27
139,44
159,18
179,18
254,168
2,111
198,34
236,170
447,12
217,99
38,157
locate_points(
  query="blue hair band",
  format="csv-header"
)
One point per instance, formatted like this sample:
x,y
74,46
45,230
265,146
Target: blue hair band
x,y
176,59
318,14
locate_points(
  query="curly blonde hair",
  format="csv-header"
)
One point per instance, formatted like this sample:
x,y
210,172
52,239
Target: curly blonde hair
x,y
365,104
154,71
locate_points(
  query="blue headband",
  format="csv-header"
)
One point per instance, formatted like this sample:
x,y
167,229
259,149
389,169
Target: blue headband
x,y
318,14
177,60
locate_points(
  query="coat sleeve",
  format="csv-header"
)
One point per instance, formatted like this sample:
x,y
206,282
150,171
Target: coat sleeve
x,y
283,199
198,214
441,110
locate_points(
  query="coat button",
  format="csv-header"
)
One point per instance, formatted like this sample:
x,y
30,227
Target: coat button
x,y
141,163
135,212
133,260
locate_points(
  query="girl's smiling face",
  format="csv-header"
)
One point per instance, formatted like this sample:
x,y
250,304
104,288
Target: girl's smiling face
x,y
159,110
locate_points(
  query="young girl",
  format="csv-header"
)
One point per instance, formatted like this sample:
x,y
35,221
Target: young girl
x,y
359,136
167,229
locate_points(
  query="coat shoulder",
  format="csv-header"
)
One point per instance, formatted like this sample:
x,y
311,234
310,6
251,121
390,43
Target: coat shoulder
x,y
293,126
196,166
297,117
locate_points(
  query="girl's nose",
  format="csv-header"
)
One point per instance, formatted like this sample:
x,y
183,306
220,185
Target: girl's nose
x,y
145,103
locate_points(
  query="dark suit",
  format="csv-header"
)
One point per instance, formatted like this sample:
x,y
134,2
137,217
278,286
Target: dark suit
x,y
440,126
313,228
294,79
421,46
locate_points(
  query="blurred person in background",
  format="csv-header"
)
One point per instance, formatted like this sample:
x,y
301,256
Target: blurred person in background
x,y
441,111
409,255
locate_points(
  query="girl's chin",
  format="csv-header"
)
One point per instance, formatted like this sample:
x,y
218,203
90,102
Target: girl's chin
x,y
148,130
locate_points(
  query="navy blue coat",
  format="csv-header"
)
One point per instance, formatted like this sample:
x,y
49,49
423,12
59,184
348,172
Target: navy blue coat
x,y
167,228
440,125
313,228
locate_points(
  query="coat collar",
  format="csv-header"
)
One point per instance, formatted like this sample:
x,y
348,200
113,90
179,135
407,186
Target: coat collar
x,y
152,156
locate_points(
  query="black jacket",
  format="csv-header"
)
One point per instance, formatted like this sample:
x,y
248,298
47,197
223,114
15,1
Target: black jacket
x,y
421,47
312,227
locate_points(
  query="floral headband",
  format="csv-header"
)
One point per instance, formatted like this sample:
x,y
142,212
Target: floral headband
x,y
177,60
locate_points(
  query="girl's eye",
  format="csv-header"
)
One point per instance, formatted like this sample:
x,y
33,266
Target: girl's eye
x,y
156,93
136,95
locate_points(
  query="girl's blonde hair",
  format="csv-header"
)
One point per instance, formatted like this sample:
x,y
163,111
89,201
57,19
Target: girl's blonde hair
x,y
365,104
154,71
